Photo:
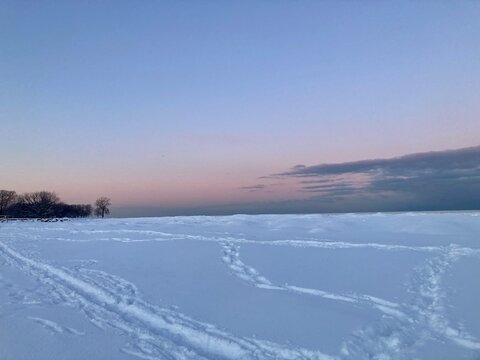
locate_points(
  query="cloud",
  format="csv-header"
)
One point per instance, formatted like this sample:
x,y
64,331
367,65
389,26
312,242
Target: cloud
x,y
439,180
466,158
254,187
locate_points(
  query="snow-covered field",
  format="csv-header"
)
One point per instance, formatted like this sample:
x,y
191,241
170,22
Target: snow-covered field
x,y
372,286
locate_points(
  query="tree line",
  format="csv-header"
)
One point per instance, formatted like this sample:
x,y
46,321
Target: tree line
x,y
45,204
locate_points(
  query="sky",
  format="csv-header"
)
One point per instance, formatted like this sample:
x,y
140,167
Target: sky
x,y
214,107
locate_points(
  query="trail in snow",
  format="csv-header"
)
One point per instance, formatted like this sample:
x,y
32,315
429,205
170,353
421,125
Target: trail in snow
x,y
54,327
404,327
430,303
399,338
168,236
156,332
322,244
231,257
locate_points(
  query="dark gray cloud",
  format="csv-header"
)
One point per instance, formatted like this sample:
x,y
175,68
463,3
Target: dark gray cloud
x,y
467,158
254,187
440,180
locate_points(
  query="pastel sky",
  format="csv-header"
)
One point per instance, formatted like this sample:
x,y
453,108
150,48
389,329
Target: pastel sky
x,y
199,107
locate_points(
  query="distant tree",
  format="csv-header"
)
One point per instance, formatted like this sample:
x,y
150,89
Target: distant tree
x,y
101,206
40,204
7,198
61,210
72,211
79,210
17,210
83,210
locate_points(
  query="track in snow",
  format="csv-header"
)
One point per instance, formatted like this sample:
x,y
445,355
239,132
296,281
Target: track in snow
x,y
406,323
158,332
112,302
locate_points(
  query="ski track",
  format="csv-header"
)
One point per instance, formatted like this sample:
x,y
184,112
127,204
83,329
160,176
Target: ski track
x,y
156,332
54,327
109,301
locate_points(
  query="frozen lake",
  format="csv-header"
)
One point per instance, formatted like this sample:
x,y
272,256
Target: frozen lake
x,y
352,286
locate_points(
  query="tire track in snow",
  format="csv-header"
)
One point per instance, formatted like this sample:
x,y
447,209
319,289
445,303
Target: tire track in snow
x,y
158,332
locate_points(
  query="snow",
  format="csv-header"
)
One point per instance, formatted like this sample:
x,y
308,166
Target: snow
x,y
352,286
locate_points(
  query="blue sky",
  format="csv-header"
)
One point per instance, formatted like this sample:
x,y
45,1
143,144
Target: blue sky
x,y
182,105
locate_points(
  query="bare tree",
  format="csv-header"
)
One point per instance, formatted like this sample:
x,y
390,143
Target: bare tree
x,y
101,206
7,198
39,204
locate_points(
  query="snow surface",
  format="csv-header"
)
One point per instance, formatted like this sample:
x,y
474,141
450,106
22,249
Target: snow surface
x,y
353,286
